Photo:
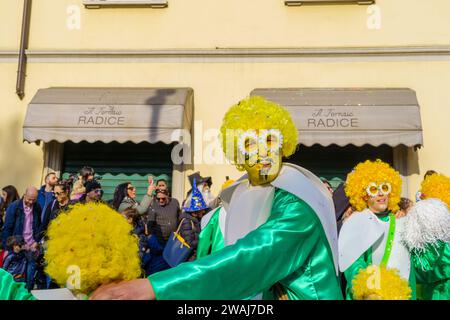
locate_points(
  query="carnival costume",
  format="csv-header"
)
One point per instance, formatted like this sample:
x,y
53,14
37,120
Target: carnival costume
x,y
367,239
277,239
379,246
427,236
12,290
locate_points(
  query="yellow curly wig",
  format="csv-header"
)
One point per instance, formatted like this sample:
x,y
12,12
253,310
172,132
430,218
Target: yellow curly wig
x,y
372,171
97,240
437,186
379,283
255,113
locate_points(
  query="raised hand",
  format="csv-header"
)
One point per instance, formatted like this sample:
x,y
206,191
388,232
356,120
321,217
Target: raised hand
x,y
151,186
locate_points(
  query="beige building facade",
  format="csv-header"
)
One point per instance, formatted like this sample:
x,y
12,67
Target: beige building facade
x,y
221,52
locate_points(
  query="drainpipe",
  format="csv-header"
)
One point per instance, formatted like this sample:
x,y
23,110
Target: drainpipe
x,y
21,72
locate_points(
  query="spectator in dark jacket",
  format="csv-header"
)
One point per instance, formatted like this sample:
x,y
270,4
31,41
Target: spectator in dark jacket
x,y
45,194
190,220
60,204
23,218
163,218
21,212
16,262
139,226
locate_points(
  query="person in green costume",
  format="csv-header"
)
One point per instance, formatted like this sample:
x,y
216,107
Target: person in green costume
x,y
278,238
427,236
12,290
371,236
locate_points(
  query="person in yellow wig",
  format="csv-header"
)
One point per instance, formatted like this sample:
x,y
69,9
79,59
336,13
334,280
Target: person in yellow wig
x,y
371,236
279,236
436,186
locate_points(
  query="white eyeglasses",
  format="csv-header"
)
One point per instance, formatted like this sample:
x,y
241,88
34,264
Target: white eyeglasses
x,y
374,190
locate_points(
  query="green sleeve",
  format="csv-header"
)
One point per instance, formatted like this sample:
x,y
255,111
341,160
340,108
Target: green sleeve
x,y
11,290
254,263
432,269
361,263
210,238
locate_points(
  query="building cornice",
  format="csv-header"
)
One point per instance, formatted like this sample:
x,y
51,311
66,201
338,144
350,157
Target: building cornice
x,y
430,52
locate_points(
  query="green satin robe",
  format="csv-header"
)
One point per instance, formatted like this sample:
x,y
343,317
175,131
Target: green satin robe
x,y
210,239
433,272
366,260
290,247
12,290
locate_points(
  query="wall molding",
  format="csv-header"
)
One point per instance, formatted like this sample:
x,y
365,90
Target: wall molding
x,y
402,53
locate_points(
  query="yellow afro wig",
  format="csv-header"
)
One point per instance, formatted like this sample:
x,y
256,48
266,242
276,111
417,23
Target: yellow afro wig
x,y
372,171
437,186
255,113
379,283
95,240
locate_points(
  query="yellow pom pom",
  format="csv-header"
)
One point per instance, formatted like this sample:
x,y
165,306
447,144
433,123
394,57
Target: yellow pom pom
x,y
255,113
379,283
372,171
91,245
437,186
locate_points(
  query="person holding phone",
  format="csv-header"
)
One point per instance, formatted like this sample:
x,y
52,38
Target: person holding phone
x,y
125,197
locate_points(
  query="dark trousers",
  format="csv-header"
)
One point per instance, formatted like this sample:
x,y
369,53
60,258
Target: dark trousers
x,y
35,272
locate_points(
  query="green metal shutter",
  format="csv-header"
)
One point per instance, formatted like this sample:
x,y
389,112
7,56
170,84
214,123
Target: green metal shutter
x,y
334,162
118,163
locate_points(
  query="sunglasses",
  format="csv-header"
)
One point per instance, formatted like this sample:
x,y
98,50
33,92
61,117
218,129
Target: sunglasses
x,y
131,188
161,199
59,193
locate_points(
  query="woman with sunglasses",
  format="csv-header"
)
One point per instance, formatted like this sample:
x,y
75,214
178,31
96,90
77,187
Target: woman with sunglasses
x,y
61,203
125,197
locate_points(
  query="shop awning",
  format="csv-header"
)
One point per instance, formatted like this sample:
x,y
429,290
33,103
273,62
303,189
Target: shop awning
x,y
345,116
109,114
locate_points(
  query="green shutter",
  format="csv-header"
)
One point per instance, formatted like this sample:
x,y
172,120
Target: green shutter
x,y
334,163
117,163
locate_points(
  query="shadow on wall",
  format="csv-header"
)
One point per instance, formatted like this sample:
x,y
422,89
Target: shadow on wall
x,y
20,162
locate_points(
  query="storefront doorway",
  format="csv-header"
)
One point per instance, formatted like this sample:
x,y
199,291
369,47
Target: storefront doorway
x,y
116,163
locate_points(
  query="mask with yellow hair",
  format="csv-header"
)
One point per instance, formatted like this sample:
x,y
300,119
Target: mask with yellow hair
x,y
370,179
256,134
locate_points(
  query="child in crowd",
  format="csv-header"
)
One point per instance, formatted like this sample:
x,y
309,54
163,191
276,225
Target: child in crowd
x,y
140,230
15,262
